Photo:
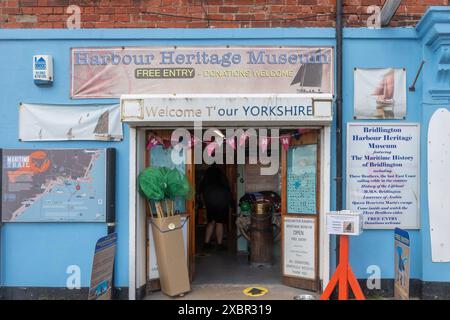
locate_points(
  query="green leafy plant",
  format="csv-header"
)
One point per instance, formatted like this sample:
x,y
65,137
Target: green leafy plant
x,y
163,185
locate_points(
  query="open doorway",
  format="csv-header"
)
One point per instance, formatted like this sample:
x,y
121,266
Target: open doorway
x,y
293,193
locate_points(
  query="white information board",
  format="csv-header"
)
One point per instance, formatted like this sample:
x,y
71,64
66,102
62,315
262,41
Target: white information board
x,y
383,174
439,184
299,250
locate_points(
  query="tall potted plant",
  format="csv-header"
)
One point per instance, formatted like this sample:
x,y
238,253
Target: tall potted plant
x,y
161,186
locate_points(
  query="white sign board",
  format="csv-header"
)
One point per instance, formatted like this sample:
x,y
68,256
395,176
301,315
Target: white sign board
x,y
383,174
299,250
153,272
344,223
42,69
224,109
439,184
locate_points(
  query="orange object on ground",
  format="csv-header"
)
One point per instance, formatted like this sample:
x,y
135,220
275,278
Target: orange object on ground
x,y
343,276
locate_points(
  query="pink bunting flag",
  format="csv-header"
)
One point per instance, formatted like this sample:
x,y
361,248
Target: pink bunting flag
x,y
193,141
303,130
231,142
152,141
211,147
243,137
166,143
285,141
264,142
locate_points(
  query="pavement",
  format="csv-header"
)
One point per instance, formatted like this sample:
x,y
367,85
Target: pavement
x,y
233,292
223,276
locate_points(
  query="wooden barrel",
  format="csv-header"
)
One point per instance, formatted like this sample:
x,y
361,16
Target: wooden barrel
x,y
261,235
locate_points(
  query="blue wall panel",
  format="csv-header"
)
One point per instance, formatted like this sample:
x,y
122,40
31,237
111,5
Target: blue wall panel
x,y
38,254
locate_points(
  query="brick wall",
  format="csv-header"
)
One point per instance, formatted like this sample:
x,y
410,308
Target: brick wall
x,y
199,13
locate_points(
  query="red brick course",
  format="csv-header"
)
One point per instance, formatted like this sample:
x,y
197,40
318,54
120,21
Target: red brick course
x,y
200,13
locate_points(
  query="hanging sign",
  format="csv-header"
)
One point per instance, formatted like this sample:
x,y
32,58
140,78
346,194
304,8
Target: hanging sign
x,y
383,174
110,72
299,248
402,264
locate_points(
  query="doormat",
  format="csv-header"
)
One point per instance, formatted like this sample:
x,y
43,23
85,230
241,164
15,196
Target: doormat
x,y
255,291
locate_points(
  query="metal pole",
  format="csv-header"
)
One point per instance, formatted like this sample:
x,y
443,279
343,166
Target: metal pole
x,y
339,61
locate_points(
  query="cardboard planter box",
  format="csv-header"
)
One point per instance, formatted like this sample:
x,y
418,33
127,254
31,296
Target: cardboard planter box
x,y
170,255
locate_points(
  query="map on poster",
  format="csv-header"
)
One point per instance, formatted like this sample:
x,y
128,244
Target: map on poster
x,y
59,185
383,174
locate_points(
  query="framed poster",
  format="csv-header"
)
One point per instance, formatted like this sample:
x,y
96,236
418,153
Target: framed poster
x,y
301,179
379,93
383,174
299,251
56,185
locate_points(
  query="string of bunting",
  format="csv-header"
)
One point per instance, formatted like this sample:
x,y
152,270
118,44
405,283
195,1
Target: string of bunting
x,y
264,141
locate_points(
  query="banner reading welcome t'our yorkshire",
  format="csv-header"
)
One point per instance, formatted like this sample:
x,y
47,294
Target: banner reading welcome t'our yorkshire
x,y
111,72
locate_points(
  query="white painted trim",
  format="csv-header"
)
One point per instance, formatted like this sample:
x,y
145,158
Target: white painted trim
x,y
132,217
325,152
141,218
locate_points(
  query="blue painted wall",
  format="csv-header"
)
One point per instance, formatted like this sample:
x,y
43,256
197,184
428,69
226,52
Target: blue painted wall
x,y
38,254
397,48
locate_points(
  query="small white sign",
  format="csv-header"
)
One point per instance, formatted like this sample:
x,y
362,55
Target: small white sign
x,y
43,69
344,223
299,248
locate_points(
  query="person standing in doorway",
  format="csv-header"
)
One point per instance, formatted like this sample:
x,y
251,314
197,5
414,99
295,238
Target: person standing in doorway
x,y
217,198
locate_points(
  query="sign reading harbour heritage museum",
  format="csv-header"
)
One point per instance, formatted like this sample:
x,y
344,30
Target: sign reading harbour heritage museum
x,y
112,71
383,174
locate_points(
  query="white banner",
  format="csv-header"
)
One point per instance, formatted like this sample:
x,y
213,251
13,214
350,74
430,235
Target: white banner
x,y
383,174
39,122
109,72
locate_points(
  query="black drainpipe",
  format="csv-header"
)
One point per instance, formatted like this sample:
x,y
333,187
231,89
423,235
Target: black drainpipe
x,y
339,128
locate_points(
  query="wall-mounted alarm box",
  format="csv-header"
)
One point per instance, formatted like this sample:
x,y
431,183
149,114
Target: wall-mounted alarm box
x,y
43,69
345,222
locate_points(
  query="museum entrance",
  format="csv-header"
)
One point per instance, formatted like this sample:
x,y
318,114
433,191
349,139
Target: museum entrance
x,y
270,231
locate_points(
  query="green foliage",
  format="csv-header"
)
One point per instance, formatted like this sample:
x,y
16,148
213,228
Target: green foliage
x,y
160,183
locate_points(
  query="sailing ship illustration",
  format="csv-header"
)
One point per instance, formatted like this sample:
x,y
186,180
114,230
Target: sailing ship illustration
x,y
309,76
102,127
69,134
384,92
